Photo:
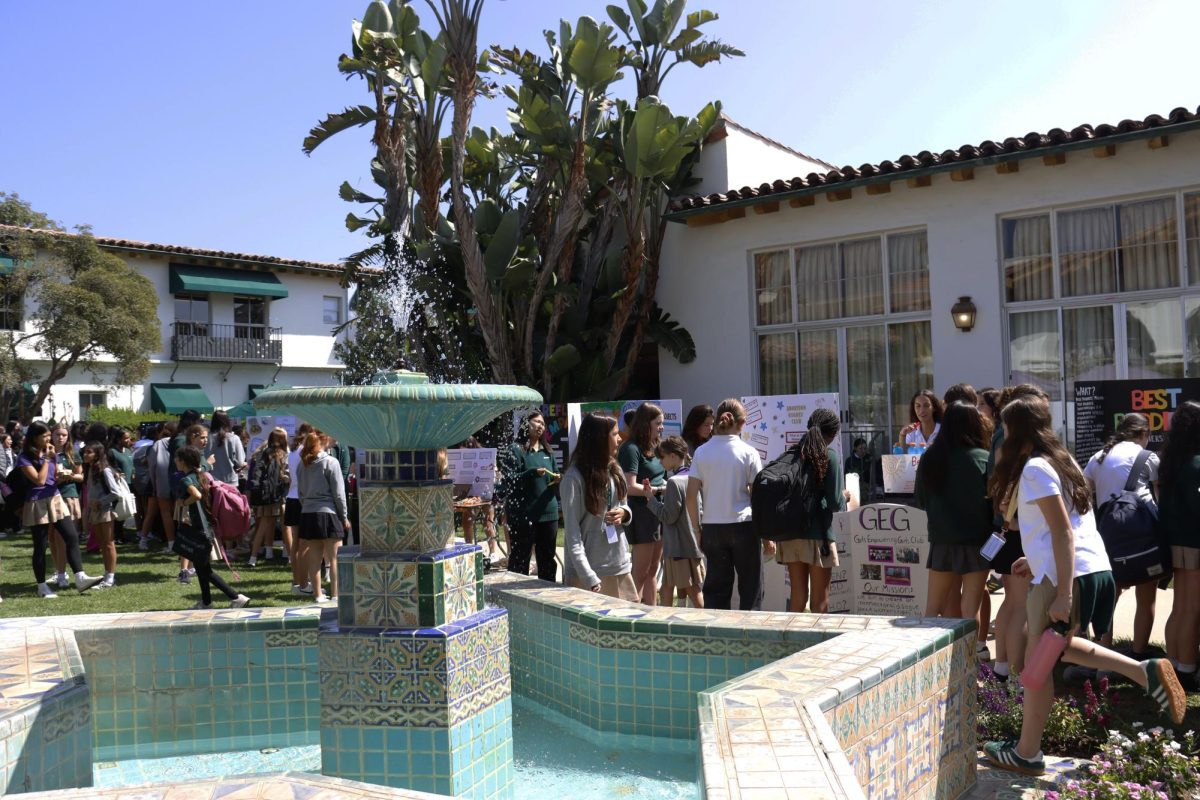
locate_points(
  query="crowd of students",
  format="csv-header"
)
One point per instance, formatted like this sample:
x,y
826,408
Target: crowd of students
x,y
992,469
74,478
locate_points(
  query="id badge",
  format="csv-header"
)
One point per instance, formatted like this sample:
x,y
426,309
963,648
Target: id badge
x,y
611,531
992,546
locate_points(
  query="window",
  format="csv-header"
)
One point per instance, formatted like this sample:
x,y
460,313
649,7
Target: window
x,y
1191,217
331,310
12,306
874,367
191,314
249,318
89,400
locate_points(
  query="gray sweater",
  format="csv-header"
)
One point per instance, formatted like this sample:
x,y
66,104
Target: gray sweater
x,y
320,486
589,555
678,539
230,457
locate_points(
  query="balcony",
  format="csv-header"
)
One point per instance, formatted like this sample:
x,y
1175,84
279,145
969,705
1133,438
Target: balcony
x,y
245,344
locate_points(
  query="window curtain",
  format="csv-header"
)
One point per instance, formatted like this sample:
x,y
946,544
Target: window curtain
x,y
773,287
1088,337
818,361
1154,334
862,269
1028,263
908,272
1087,251
777,363
866,378
1191,218
818,283
1034,350
1149,244
910,359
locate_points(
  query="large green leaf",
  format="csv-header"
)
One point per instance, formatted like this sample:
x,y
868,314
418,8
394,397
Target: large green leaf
x,y
487,217
619,18
656,141
352,117
708,51
352,195
377,19
671,336
664,18
592,56
503,246
565,358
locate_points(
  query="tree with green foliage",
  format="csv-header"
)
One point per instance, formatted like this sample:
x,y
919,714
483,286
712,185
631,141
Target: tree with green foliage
x,y
545,264
88,309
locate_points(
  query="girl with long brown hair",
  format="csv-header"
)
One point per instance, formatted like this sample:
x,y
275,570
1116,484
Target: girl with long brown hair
x,y
698,426
721,474
269,484
811,558
925,415
1069,571
595,512
641,465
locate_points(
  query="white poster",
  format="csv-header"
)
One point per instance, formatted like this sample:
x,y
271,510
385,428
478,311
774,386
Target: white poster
x,y
900,473
841,589
889,546
776,422
289,424
259,429
672,415
474,467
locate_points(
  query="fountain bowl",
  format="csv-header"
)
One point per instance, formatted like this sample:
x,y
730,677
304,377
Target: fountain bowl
x,y
398,410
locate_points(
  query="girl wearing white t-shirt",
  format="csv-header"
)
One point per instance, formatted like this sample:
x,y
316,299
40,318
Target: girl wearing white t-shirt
x,y
1107,473
721,474
925,412
1071,579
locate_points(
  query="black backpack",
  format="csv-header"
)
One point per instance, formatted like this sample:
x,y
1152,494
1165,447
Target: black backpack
x,y
267,487
1128,524
18,490
785,499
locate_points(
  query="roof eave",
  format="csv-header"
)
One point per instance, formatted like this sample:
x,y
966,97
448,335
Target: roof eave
x,y
948,166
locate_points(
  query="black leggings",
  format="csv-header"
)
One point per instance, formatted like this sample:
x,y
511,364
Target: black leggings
x,y
731,549
205,576
524,538
41,537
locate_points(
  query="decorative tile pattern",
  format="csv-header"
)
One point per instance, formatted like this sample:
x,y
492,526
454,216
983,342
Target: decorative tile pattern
x,y
278,786
409,519
396,591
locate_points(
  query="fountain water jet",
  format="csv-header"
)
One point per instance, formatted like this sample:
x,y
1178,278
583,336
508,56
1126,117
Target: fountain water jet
x,y
415,683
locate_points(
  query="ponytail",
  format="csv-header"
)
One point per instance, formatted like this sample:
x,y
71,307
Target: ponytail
x,y
823,426
1132,426
730,414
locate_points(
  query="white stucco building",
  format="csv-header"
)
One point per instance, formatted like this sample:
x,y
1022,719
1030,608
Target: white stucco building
x,y
1079,249
232,323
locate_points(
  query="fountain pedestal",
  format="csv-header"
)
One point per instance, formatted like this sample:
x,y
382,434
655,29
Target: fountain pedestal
x,y
415,683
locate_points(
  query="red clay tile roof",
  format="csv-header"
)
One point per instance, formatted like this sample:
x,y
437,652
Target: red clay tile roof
x,y
988,152
197,252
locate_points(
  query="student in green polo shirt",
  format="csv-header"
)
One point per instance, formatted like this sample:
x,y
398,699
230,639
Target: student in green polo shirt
x,y
952,488
532,504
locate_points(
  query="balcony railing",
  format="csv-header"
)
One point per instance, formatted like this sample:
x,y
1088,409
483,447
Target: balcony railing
x,y
204,341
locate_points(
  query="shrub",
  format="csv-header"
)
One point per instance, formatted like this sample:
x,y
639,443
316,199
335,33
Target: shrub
x,y
125,417
1152,765
1072,729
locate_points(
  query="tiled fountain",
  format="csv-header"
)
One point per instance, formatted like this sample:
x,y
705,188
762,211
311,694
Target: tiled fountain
x,y
414,670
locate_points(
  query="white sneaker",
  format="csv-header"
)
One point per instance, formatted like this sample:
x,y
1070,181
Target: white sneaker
x,y
143,543
84,582
110,580
305,589
241,601
982,653
63,581
45,591
252,562
321,598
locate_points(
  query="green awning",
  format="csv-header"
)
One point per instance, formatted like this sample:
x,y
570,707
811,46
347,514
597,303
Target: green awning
x,y
242,410
187,278
175,398
256,389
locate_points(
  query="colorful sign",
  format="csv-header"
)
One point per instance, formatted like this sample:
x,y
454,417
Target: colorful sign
x,y
1100,405
776,422
672,415
900,473
889,546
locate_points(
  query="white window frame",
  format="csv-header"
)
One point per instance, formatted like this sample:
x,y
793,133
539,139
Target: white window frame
x,y
341,306
83,407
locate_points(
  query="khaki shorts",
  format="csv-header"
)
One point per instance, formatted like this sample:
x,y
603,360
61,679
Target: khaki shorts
x,y
621,587
1185,557
1093,602
806,551
683,573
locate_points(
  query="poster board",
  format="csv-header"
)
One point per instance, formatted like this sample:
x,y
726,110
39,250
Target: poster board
x,y
259,429
776,422
1100,405
841,587
900,473
475,468
672,415
889,546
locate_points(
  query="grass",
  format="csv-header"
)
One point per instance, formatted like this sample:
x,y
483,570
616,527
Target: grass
x,y
146,581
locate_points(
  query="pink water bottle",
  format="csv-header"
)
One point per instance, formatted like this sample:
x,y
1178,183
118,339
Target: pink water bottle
x,y
1041,663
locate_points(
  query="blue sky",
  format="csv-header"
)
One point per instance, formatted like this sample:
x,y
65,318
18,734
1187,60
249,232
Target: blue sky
x,y
181,122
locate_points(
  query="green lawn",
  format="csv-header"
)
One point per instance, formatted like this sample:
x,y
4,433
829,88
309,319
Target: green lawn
x,y
145,582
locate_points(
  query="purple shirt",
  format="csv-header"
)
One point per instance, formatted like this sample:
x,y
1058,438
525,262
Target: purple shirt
x,y
40,492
